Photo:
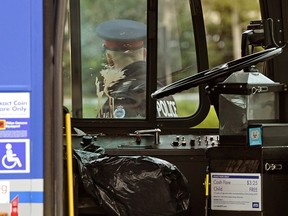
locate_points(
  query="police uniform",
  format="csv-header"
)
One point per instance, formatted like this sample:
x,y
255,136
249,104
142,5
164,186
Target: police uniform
x,y
130,93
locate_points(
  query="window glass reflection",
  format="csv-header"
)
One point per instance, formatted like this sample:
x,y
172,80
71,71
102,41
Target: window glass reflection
x,y
177,52
113,52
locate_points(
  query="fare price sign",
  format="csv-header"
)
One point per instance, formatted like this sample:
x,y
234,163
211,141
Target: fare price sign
x,y
236,191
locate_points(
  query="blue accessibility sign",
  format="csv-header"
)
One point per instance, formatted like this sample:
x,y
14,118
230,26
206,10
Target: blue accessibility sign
x,y
14,155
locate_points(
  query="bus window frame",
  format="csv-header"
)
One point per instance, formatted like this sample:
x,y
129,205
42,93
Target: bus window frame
x,y
90,125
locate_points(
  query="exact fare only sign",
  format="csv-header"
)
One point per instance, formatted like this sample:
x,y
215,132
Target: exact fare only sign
x,y
15,105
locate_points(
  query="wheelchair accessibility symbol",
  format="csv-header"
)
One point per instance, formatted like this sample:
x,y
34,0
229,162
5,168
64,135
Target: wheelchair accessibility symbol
x,y
10,159
15,156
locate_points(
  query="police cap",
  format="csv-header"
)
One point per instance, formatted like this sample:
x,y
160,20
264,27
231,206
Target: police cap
x,y
122,34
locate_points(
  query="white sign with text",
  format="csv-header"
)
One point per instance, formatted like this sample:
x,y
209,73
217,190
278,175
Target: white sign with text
x,y
15,105
236,191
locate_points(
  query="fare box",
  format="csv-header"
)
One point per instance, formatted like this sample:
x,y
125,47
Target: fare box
x,y
236,191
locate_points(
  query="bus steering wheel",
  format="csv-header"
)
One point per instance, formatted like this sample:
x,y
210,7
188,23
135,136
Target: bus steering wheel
x,y
216,72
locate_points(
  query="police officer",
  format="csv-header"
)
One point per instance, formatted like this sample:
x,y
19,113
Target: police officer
x,y
124,42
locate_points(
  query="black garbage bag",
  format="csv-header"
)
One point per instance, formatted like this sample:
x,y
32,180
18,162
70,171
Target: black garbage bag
x,y
134,185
